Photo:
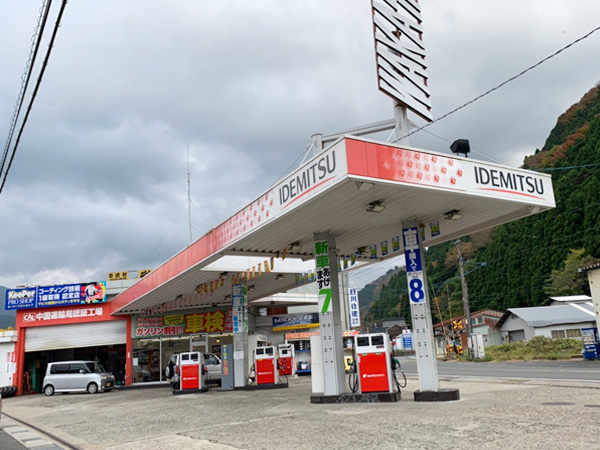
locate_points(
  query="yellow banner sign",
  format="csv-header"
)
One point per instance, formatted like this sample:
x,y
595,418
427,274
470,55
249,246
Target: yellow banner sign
x,y
114,276
175,319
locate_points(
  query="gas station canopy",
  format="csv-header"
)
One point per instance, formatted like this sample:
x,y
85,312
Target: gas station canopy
x,y
358,190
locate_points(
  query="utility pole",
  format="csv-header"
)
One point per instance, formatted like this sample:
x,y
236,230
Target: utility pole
x,y
465,292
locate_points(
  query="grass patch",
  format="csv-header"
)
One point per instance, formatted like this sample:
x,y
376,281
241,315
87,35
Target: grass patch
x,y
539,347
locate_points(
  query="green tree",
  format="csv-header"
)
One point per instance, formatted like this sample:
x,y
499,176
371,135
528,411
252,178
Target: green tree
x,y
568,280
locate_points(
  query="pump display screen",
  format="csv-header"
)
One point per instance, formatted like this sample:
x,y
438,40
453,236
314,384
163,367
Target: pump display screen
x,y
377,340
363,341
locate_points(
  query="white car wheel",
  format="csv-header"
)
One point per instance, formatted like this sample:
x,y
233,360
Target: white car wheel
x,y
49,390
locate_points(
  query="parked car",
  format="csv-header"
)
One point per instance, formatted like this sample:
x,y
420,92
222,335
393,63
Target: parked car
x,y
212,364
77,376
141,375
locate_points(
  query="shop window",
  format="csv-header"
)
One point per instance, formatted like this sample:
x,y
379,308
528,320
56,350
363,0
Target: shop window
x,y
558,334
574,333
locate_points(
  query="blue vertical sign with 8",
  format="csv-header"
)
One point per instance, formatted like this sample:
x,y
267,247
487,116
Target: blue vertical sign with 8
x,y
414,266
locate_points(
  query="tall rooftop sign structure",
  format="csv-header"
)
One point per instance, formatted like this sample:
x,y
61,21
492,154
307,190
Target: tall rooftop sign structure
x,y
400,54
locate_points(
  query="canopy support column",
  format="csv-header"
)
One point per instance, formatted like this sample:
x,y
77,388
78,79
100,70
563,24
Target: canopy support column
x,y
326,262
420,306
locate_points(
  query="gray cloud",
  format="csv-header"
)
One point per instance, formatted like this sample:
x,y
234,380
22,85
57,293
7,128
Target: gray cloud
x,y
99,182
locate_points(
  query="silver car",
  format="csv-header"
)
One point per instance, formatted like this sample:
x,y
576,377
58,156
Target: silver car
x,y
77,376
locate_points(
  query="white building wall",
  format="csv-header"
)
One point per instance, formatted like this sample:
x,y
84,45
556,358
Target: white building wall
x,y
594,280
8,363
491,336
547,331
514,323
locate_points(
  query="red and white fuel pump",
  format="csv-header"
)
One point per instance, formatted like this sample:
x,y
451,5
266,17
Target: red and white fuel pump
x,y
373,364
287,360
189,373
265,365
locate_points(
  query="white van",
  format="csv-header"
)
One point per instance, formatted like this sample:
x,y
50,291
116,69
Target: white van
x,y
77,376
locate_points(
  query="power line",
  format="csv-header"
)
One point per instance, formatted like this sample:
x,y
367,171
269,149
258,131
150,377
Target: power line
x,y
565,168
501,84
37,86
36,40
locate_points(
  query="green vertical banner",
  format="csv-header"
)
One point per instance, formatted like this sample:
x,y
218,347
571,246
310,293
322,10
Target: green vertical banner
x,y
323,275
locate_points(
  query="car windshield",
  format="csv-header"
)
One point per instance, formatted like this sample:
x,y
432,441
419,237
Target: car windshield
x,y
94,367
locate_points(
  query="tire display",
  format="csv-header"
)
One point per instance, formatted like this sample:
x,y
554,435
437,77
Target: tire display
x,y
8,391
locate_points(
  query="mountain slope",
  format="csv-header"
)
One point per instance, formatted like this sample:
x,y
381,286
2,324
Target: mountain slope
x,y
510,265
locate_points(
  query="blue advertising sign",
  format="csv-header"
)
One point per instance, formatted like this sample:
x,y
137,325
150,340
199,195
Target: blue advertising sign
x,y
239,303
58,295
292,321
407,341
20,298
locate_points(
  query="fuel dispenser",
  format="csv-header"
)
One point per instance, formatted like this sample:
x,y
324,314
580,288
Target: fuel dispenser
x,y
265,365
189,374
287,360
373,369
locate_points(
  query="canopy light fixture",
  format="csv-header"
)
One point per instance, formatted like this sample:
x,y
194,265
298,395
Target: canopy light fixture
x,y
280,276
361,250
295,247
375,206
461,146
453,215
251,288
223,274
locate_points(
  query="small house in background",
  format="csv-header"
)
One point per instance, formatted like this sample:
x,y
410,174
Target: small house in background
x,y
557,322
451,335
393,327
566,300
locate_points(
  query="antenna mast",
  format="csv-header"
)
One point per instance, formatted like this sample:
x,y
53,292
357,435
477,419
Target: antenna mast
x,y
189,195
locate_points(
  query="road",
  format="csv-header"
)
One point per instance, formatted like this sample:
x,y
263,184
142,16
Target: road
x,y
493,412
576,369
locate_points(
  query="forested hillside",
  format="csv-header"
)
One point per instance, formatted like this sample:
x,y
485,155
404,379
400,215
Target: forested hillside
x,y
521,263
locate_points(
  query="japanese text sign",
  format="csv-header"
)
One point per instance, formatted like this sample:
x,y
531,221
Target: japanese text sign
x,y
414,265
354,310
58,295
323,275
177,324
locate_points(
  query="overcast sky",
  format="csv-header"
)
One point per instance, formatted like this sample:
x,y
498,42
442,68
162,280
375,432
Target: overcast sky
x,y
99,181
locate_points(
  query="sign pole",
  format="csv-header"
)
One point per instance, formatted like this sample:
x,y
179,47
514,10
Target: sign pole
x,y
239,300
402,126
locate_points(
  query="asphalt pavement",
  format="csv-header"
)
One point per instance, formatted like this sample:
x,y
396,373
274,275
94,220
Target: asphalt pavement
x,y
16,436
491,414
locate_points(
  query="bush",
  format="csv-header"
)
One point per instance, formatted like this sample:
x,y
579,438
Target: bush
x,y
540,347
